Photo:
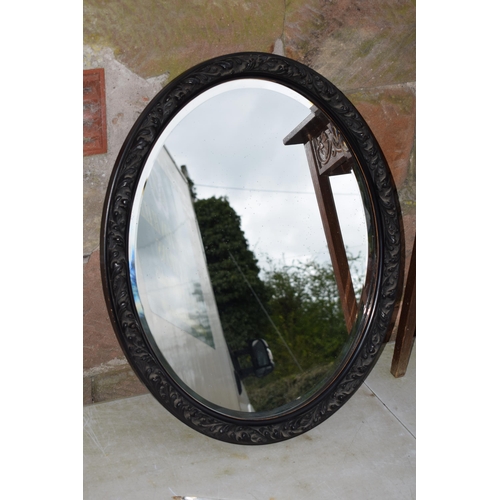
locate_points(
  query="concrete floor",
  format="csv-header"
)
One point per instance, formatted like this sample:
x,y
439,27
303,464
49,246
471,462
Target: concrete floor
x,y
134,449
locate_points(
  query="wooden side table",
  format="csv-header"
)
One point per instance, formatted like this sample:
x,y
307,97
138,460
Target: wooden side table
x,y
405,336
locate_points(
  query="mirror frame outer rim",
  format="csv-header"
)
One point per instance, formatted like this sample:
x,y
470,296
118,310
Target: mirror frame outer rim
x,y
114,246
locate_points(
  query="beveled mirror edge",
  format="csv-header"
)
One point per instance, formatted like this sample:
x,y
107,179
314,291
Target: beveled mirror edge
x,y
114,245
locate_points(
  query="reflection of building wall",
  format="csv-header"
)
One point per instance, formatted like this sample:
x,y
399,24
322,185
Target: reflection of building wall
x,y
366,49
174,289
170,252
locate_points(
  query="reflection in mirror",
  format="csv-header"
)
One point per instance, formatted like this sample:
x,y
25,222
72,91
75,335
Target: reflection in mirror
x,y
247,282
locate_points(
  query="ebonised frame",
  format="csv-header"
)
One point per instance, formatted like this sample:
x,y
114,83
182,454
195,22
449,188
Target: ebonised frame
x,y
385,289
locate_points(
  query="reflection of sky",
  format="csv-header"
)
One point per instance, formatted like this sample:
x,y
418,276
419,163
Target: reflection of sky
x,y
351,215
235,140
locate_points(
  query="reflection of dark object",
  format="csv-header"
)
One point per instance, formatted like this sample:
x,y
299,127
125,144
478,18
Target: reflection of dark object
x,y
261,358
238,382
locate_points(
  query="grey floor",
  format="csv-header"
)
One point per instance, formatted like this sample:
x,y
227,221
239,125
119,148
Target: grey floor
x,y
134,449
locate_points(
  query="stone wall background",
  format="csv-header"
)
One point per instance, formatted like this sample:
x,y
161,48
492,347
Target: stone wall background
x,y
366,49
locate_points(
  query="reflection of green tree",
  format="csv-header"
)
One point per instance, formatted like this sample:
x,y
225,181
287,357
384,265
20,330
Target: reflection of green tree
x,y
241,316
305,308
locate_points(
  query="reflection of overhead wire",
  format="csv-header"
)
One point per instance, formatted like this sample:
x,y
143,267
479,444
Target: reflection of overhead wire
x,y
252,189
265,312
265,190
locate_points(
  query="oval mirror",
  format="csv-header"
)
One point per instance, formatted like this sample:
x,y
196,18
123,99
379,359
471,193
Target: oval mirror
x,y
250,248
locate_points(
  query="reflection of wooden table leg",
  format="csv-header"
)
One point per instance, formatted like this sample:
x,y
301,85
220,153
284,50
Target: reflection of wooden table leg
x,y
335,242
328,154
407,322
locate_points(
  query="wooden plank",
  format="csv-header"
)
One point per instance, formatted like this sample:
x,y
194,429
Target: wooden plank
x,y
407,322
94,112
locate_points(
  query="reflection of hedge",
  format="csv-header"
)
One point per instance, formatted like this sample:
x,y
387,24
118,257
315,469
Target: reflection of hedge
x,y
305,308
271,392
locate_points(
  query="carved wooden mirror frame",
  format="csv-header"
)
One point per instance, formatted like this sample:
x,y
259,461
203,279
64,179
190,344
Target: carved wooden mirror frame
x,y
385,275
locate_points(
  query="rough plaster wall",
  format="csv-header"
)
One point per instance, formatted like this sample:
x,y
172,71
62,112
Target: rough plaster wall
x,y
154,36
126,96
367,49
106,373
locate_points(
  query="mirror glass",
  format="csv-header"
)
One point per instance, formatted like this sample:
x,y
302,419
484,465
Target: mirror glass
x,y
230,265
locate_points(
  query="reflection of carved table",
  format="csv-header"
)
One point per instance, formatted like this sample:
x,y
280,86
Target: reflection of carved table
x,y
328,155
